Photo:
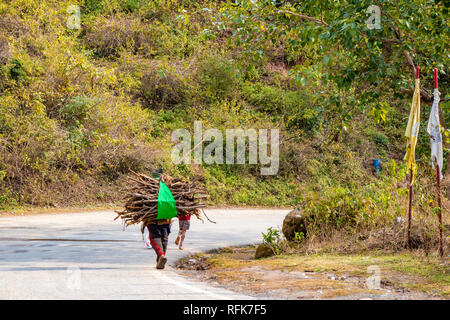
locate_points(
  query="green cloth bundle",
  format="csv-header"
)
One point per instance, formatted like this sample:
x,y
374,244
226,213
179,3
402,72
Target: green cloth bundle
x,y
167,208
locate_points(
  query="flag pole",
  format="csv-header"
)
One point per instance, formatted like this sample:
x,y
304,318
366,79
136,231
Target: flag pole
x,y
411,172
438,184
438,180
410,206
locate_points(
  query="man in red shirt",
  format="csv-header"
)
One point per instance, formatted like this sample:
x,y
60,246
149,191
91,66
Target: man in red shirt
x,y
185,223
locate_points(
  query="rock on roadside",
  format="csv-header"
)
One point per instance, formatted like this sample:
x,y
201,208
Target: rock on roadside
x,y
294,222
263,251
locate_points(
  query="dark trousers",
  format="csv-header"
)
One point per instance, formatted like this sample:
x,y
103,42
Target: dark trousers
x,y
159,238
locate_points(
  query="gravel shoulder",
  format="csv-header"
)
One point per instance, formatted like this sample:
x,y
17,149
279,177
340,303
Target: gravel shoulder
x,y
347,277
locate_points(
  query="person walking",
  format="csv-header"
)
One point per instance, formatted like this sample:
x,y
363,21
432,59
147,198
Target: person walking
x,y
184,223
159,229
159,232
147,239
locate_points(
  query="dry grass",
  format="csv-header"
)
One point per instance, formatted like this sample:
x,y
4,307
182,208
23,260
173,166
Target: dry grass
x,y
109,36
5,53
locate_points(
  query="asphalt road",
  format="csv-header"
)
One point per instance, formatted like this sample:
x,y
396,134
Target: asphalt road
x,y
90,256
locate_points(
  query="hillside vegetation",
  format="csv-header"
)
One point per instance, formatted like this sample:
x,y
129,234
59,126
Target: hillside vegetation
x,y
80,108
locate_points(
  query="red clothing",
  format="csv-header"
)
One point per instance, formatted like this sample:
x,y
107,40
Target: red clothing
x,y
184,218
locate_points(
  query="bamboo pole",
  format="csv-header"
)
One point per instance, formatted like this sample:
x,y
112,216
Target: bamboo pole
x,y
438,186
438,180
411,187
410,205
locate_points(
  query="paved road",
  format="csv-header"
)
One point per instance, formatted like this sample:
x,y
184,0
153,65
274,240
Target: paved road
x,y
89,256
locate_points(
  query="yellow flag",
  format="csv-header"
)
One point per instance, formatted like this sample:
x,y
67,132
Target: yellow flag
x,y
412,130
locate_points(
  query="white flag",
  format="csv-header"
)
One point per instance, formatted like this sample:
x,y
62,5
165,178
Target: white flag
x,y
434,130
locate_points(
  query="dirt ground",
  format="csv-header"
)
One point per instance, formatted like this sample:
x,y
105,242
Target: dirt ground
x,y
296,278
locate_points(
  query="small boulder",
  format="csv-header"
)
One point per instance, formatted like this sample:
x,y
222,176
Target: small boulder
x,y
263,251
292,223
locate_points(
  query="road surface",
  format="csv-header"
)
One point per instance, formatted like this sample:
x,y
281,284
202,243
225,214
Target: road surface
x,y
90,256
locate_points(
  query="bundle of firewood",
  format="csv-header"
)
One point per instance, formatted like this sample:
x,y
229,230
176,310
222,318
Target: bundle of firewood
x,y
141,200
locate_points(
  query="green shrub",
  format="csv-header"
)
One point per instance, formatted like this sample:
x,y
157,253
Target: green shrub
x,y
352,208
7,200
219,76
17,71
77,110
380,139
273,239
92,6
131,5
295,107
163,88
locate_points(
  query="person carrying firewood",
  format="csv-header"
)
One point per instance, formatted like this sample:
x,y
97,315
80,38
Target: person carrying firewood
x,y
159,229
159,238
151,202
